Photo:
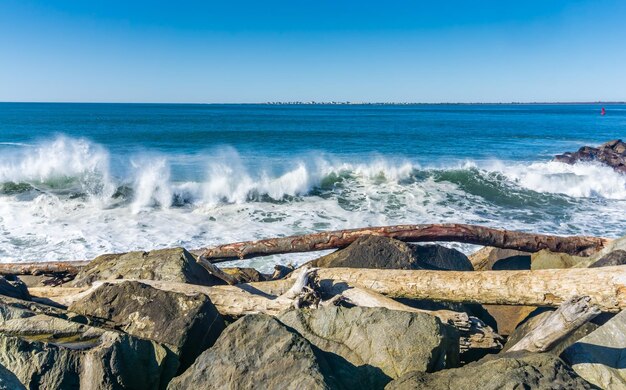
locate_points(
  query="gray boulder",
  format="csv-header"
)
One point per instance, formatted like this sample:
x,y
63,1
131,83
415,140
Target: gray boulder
x,y
11,286
172,265
600,357
388,253
617,257
187,324
257,352
47,352
510,371
491,258
367,347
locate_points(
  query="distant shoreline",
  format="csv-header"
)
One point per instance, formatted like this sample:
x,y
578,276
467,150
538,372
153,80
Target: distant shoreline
x,y
312,103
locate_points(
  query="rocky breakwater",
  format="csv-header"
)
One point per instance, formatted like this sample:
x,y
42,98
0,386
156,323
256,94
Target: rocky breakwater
x,y
159,320
612,153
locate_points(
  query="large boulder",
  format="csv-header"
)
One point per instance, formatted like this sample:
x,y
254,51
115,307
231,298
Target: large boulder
x,y
387,253
381,344
544,259
187,324
600,356
257,352
612,153
11,286
47,352
172,265
534,319
491,258
245,275
510,371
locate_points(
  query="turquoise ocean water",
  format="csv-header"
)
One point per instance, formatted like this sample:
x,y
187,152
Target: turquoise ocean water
x,y
78,180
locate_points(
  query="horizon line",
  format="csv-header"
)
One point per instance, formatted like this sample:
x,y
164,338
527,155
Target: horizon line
x,y
331,102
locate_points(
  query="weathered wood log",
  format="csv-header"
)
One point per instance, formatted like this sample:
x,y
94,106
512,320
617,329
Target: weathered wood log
x,y
42,268
471,234
606,286
215,271
571,315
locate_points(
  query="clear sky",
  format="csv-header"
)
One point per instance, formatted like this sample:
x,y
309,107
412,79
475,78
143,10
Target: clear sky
x,y
257,51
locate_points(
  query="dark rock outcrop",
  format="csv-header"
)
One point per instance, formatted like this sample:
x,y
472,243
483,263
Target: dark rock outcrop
x,y
46,352
8,380
387,253
187,324
367,347
257,352
172,265
490,258
510,371
612,153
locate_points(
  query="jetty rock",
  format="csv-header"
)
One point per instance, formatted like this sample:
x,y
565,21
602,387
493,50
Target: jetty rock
x,y
612,153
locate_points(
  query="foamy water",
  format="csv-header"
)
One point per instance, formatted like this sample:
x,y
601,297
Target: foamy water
x,y
61,200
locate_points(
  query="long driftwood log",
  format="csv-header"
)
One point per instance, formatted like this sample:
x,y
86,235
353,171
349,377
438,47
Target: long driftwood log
x,y
570,316
471,234
606,286
39,268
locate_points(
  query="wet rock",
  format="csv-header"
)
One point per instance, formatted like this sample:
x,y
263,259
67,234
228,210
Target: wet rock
x,y
172,265
387,253
12,286
257,352
510,371
491,258
600,356
187,324
367,347
535,318
612,153
46,352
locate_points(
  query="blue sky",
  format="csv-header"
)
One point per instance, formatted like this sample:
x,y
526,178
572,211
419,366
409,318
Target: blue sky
x,y
240,51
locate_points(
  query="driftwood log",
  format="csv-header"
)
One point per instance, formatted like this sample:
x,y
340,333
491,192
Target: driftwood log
x,y
606,286
40,268
570,316
471,234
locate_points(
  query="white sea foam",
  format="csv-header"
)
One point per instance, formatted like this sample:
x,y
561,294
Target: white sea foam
x,y
232,200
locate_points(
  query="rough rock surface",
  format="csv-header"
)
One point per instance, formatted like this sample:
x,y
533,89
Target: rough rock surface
x,y
600,357
617,257
172,265
508,317
544,259
534,319
11,286
612,153
257,352
491,258
368,347
46,352
187,324
388,253
245,275
510,371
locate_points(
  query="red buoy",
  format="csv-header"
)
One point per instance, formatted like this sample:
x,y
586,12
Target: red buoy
x,y
603,112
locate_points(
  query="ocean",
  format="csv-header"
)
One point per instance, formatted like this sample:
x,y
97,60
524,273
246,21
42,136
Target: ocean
x,y
80,180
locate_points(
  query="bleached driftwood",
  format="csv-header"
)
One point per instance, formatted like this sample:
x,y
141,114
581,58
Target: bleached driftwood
x,y
472,234
571,315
